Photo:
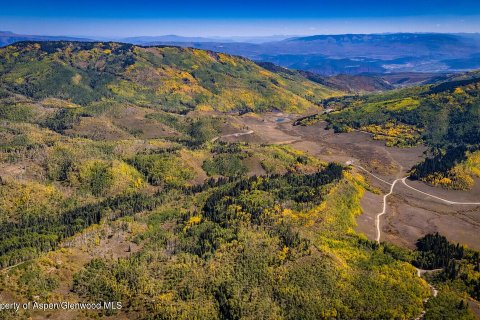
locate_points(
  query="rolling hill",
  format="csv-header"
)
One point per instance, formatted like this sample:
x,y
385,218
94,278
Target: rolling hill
x,y
167,78
445,116
342,82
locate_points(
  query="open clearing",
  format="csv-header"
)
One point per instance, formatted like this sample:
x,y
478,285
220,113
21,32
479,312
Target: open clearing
x,y
409,214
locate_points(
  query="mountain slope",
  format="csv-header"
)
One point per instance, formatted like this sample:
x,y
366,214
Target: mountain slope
x,y
342,82
444,116
105,195
167,78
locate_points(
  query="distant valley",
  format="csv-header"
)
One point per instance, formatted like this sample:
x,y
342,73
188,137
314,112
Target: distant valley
x,y
360,53
351,54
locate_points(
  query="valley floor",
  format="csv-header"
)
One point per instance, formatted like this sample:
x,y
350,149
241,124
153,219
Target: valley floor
x,y
410,214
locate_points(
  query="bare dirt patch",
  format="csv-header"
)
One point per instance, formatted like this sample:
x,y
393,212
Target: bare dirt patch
x,y
412,215
98,129
254,166
371,204
133,120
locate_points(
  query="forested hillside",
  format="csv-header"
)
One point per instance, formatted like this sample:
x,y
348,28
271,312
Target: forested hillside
x,y
163,78
117,184
457,275
446,117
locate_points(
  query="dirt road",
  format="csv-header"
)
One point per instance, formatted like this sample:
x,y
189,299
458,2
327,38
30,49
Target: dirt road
x,y
414,208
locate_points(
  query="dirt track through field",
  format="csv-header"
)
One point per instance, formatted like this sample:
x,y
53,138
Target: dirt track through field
x,y
392,186
237,134
414,208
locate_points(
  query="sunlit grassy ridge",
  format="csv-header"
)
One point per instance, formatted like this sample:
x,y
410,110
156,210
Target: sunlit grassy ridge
x,y
167,78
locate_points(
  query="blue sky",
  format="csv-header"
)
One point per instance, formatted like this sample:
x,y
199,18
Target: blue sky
x,y
117,18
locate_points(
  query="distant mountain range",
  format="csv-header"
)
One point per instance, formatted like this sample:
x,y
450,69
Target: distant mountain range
x,y
7,37
174,38
329,54
360,53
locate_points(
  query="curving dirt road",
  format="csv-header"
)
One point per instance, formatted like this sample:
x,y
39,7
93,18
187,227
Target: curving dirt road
x,y
438,198
237,134
433,290
377,221
410,214
392,186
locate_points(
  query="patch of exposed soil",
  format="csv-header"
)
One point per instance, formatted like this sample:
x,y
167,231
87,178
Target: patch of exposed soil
x,y
98,129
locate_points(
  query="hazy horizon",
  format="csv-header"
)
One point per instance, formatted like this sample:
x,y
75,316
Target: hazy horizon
x,y
231,37
117,19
